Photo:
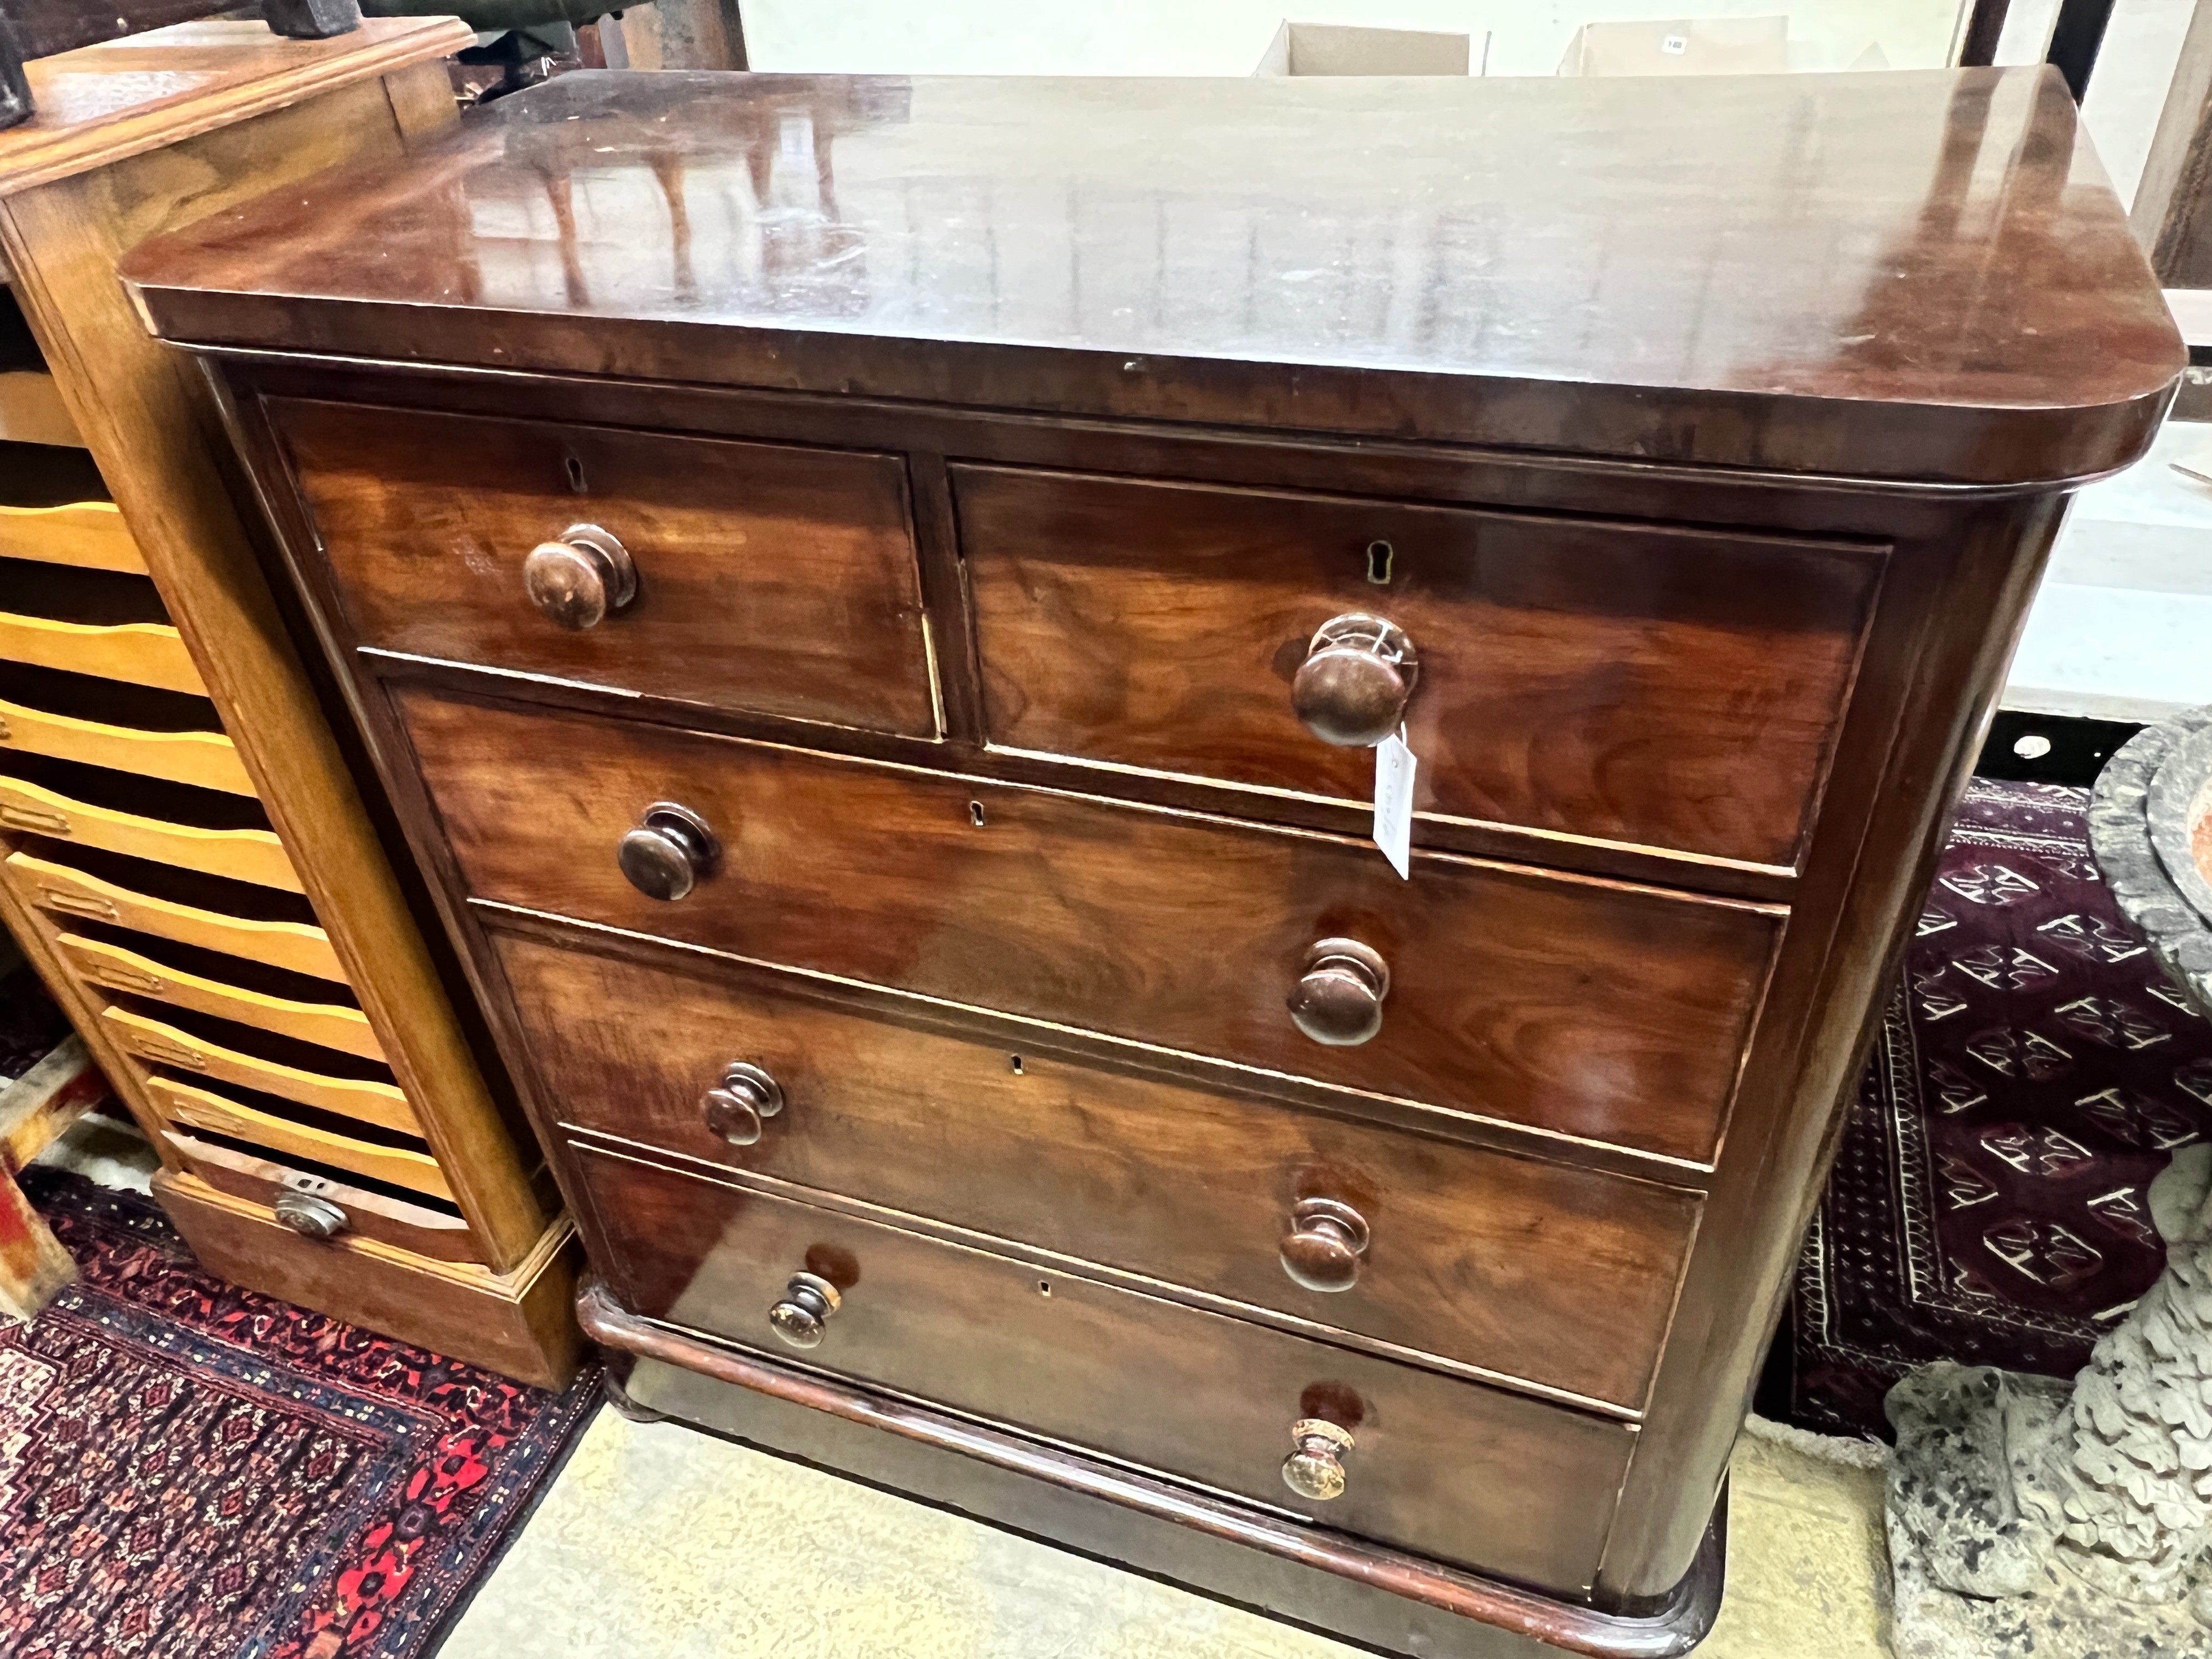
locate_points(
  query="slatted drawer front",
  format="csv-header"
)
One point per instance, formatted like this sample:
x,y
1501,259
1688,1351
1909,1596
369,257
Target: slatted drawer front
x,y
760,577
1595,1009
1669,688
1455,1470
1527,1269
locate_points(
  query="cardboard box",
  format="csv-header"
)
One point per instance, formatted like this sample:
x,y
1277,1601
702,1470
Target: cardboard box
x,y
1337,49
1682,45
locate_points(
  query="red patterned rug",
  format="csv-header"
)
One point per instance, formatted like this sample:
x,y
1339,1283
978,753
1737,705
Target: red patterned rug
x,y
189,1470
2034,1072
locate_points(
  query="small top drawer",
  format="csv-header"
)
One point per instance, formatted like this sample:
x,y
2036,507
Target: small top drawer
x,y
761,577
1666,688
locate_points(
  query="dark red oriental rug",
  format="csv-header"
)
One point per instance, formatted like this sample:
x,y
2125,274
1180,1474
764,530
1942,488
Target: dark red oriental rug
x,y
2034,1072
189,1470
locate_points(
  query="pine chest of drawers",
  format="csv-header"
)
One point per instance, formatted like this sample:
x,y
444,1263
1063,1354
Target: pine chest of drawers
x,y
872,601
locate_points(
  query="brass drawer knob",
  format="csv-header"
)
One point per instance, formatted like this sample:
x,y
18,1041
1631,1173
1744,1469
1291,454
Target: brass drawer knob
x,y
1315,1468
310,1215
1338,1000
1352,689
1322,1249
579,576
736,1106
665,856
804,1314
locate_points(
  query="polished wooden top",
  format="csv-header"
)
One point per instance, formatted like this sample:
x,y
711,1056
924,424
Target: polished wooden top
x,y
1915,276
104,103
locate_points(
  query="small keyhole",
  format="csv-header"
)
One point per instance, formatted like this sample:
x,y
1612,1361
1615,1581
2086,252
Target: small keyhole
x,y
1018,1065
1044,1287
575,469
975,813
1379,554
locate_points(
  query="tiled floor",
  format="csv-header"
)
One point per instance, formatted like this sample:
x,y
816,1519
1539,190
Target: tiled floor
x,y
658,1542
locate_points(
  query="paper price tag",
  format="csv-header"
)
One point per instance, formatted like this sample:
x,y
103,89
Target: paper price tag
x,y
1394,802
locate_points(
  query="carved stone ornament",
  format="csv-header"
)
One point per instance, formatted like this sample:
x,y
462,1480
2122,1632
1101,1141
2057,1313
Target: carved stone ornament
x,y
2029,1517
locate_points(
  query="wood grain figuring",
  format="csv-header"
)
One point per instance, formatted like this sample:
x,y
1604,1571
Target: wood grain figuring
x,y
1364,255
250,855
367,1102
142,654
1449,1469
1600,1010
331,1024
517,1322
1608,680
204,1109
207,759
90,535
1505,1263
769,578
412,1227
294,945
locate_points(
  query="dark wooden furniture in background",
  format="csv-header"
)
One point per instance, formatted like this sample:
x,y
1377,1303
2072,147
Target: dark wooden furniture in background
x,y
183,849
843,578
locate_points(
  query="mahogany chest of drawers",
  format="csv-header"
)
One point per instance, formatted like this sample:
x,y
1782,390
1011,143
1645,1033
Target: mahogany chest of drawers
x,y
872,601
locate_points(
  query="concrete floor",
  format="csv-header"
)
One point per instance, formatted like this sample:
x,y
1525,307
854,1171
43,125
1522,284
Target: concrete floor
x,y
658,1542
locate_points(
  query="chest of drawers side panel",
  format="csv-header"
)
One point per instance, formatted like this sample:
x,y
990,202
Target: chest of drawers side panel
x,y
1955,606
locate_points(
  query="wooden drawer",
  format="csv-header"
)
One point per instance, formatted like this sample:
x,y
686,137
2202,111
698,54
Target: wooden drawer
x,y
257,1180
1592,1008
769,579
1529,1269
1453,1470
1669,688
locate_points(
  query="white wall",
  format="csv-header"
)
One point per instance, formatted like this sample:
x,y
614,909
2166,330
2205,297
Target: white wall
x,y
1226,37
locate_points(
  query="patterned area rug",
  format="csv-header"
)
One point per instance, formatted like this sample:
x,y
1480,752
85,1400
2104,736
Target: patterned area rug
x,y
189,1470
2034,1072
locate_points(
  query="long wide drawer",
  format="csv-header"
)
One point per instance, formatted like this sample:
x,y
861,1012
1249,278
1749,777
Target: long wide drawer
x,y
1531,1269
765,577
1452,1470
1672,688
1602,1011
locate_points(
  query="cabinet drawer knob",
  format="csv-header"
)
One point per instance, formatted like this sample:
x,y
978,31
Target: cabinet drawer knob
x,y
579,576
1339,1001
804,1314
1352,688
1315,1468
1322,1249
311,1216
665,856
736,1106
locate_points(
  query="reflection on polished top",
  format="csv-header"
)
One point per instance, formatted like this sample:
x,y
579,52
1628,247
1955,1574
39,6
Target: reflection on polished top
x,y
1917,275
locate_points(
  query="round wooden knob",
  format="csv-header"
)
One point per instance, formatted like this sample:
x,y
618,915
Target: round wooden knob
x,y
578,577
669,852
1339,1001
1322,1249
1352,688
1315,1468
735,1107
804,1314
312,1216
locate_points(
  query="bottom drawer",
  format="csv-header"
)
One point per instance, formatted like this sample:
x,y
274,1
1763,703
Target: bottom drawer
x,y
1472,1475
520,1323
